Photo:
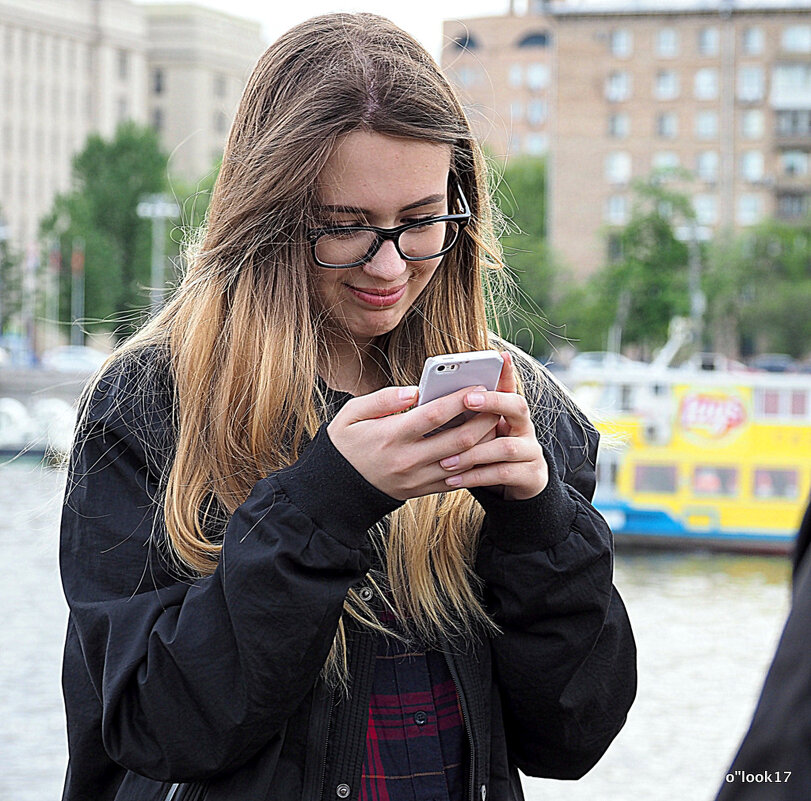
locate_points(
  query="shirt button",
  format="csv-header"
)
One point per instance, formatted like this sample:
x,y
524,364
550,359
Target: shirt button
x,y
342,791
483,792
420,718
366,594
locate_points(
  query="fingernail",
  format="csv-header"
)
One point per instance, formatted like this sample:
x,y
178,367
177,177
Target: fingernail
x,y
407,392
474,399
450,462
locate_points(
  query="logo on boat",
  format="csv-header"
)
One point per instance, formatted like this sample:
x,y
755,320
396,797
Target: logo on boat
x,y
712,414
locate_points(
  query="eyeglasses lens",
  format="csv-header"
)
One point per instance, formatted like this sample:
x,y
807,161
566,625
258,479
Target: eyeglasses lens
x,y
340,248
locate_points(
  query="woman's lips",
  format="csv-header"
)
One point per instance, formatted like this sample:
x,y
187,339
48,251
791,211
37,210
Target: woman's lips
x,y
377,298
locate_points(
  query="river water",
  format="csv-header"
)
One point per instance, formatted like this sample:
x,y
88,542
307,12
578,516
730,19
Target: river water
x,y
706,627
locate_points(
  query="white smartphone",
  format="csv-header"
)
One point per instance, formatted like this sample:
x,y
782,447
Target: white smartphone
x,y
442,375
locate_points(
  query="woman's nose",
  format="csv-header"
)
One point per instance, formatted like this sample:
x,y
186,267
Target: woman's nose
x,y
387,263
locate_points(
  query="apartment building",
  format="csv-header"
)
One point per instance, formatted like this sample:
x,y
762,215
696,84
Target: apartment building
x,y
199,61
69,68
721,89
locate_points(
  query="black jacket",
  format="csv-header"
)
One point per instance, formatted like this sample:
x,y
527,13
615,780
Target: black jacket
x,y
210,689
774,760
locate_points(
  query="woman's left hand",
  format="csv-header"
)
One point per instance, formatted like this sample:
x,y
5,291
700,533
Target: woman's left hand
x,y
512,464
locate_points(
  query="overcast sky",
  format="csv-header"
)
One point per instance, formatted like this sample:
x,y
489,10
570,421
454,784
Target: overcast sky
x,y
421,18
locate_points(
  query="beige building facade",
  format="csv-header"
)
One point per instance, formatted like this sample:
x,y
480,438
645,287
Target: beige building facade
x,y
69,68
199,61
723,90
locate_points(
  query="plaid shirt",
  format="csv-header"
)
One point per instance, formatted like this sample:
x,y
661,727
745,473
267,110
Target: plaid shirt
x,y
415,740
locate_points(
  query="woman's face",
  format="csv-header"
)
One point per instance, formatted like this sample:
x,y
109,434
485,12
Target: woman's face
x,y
372,179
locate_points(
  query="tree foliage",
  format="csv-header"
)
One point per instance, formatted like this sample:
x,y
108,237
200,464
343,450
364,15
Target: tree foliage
x,y
758,285
109,180
11,286
521,202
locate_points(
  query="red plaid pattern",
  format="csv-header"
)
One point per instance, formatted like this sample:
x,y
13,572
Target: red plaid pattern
x,y
415,740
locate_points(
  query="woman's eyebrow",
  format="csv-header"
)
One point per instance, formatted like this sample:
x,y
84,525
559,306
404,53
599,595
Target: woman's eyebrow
x,y
426,201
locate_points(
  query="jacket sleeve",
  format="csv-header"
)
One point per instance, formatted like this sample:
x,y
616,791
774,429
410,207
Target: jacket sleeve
x,y
193,677
566,661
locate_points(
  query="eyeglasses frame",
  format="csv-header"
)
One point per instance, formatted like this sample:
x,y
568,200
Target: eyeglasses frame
x,y
392,234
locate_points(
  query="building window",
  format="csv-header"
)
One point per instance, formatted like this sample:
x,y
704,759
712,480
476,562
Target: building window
x,y
706,208
665,160
791,86
516,75
751,84
536,112
667,125
667,43
752,41
537,39
123,110
794,123
467,76
465,42
792,207
796,39
711,480
618,87
752,124
157,119
621,43
667,85
616,210
123,64
220,122
705,86
536,144
655,478
707,166
750,209
537,76
619,126
752,166
707,124
618,167
771,483
220,85
516,110
708,41
614,249
158,81
794,162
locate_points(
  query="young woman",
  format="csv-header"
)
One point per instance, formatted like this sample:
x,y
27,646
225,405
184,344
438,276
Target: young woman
x,y
278,587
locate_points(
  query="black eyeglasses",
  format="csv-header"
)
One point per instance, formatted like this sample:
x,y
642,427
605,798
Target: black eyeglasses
x,y
343,246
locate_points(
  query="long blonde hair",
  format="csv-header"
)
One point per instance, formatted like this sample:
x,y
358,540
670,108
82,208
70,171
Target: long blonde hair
x,y
243,338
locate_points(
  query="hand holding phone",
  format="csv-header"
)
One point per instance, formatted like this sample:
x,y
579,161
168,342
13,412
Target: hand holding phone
x,y
450,372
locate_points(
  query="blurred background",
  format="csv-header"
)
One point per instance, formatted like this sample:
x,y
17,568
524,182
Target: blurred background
x,y
650,163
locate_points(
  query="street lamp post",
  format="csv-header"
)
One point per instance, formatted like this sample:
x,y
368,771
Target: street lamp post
x,y
159,209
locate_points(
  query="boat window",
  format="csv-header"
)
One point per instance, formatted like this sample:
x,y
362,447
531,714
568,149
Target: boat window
x,y
712,480
771,402
655,478
769,482
782,403
607,469
626,398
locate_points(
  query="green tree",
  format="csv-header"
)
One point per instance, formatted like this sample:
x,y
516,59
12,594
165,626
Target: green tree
x,y
647,284
11,285
758,285
521,201
110,178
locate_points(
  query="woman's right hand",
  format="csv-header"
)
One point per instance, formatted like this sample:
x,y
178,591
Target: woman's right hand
x,y
390,451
